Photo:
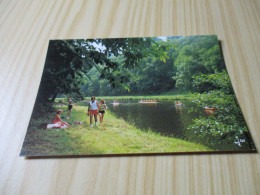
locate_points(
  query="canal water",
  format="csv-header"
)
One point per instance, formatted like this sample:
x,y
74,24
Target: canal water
x,y
163,117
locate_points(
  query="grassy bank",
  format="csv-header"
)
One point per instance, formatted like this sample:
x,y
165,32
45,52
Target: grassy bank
x,y
115,136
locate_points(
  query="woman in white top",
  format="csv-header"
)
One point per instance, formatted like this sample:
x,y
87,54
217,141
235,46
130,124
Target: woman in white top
x,y
93,108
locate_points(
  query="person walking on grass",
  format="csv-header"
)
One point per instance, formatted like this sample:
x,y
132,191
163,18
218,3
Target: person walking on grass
x,y
101,112
70,100
69,109
93,108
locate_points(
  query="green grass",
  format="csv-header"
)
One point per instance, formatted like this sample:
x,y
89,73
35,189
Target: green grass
x,y
115,136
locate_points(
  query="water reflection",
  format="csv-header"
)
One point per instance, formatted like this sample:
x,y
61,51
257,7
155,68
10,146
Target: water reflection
x,y
163,117
178,108
209,112
115,105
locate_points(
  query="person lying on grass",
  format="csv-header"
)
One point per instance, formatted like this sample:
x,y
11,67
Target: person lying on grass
x,y
101,112
93,108
57,120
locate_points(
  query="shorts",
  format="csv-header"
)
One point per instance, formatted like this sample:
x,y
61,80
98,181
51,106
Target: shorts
x,y
102,111
69,110
95,112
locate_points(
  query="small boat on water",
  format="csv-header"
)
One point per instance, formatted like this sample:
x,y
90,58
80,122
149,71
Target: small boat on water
x,y
179,103
115,103
148,101
209,108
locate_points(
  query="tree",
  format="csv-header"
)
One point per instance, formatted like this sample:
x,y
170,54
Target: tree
x,y
227,123
152,74
197,55
68,62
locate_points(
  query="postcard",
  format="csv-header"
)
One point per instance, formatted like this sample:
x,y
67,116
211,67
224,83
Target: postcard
x,y
135,96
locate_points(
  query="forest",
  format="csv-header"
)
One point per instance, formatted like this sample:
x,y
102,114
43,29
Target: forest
x,y
140,66
174,69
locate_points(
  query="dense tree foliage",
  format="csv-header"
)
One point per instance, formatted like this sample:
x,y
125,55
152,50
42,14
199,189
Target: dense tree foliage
x,y
226,125
198,55
69,61
170,64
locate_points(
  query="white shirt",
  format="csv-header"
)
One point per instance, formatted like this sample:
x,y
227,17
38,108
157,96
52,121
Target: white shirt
x,y
93,105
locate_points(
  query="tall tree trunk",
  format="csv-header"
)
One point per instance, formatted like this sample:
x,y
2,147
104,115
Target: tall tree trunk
x,y
54,97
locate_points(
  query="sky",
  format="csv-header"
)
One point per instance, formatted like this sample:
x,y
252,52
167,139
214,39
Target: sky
x,y
101,48
163,38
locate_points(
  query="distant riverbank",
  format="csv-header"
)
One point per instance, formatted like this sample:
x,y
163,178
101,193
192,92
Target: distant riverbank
x,y
183,96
